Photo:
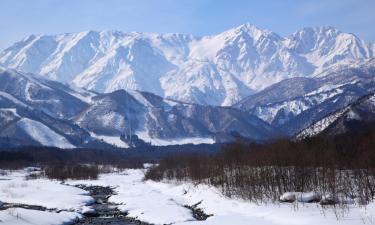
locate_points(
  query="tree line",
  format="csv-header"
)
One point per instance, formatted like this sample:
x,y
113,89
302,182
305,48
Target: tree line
x,y
342,166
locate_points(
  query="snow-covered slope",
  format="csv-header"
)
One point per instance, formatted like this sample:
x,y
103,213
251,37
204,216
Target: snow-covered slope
x,y
22,128
320,125
353,118
35,111
39,93
160,121
43,134
293,104
219,70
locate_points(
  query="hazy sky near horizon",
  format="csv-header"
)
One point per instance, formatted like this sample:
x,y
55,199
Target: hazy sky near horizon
x,y
19,18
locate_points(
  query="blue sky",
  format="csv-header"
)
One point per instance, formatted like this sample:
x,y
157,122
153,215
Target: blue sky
x,y
19,18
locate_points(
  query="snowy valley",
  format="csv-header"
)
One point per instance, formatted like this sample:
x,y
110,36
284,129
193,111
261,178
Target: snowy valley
x,y
216,124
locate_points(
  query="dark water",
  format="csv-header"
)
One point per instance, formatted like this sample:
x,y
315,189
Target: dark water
x,y
106,213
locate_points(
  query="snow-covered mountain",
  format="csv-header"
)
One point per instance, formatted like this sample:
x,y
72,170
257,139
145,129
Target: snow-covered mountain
x,y
352,118
37,111
156,120
218,70
33,111
293,104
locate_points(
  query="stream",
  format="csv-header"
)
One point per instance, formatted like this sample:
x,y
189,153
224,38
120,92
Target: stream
x,y
105,213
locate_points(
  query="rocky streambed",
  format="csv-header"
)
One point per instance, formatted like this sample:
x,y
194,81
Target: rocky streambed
x,y
107,213
104,212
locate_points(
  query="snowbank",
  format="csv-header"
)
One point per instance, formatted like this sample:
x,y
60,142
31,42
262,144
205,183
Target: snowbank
x,y
18,216
50,194
288,197
307,197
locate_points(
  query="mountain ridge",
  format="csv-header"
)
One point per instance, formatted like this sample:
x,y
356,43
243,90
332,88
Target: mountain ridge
x,y
37,111
293,104
355,117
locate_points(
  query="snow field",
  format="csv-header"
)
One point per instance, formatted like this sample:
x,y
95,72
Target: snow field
x,y
18,216
14,188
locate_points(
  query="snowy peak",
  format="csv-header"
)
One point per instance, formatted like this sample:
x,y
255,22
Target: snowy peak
x,y
250,30
328,46
309,39
218,69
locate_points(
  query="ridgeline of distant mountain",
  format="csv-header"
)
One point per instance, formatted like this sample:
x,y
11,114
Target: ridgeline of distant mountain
x,y
216,70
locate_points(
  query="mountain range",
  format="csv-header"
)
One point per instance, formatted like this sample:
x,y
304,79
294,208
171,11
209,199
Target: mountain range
x,y
37,111
210,70
293,104
110,88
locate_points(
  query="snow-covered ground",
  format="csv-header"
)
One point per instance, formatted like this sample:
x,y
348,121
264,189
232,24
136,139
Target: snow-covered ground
x,y
143,135
160,203
14,188
112,140
18,216
163,203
